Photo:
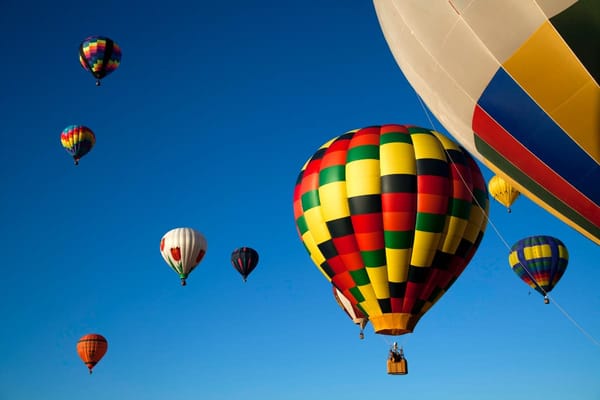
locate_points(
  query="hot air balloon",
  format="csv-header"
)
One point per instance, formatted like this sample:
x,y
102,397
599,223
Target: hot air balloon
x,y
99,55
502,191
183,249
540,261
516,83
351,310
91,348
244,260
391,215
78,140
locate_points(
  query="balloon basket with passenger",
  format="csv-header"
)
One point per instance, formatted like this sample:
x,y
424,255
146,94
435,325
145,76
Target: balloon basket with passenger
x,y
396,362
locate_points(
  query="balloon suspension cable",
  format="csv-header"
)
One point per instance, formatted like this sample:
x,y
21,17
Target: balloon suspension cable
x,y
387,342
547,296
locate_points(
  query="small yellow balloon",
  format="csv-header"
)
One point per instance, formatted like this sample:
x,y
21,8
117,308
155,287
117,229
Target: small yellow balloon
x,y
502,191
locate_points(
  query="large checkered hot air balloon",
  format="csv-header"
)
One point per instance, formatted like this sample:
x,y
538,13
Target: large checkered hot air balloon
x,y
540,261
391,215
100,56
516,83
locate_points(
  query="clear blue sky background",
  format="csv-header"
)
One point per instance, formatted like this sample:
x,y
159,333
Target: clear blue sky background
x,y
214,110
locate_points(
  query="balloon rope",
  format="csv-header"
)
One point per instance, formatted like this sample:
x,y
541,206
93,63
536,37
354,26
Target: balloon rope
x,y
562,310
566,314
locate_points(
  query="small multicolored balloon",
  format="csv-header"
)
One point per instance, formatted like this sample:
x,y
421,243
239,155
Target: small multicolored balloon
x,y
540,262
99,55
78,140
91,348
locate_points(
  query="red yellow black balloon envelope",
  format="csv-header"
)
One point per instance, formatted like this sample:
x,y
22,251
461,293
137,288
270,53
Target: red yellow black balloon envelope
x,y
91,348
244,260
516,83
100,56
391,215
183,249
77,140
540,261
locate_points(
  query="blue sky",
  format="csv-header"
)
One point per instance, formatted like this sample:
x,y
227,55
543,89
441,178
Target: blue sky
x,y
209,119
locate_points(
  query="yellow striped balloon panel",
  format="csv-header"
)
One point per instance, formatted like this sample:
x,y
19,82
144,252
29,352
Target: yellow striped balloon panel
x,y
516,82
540,261
391,215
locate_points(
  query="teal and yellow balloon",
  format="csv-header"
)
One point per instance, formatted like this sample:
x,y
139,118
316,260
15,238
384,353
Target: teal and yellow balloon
x,y
100,56
391,215
540,262
77,140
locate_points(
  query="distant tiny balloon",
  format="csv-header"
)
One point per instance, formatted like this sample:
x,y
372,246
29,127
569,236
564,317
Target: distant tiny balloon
x,y
244,260
77,140
540,262
183,249
91,348
502,191
100,56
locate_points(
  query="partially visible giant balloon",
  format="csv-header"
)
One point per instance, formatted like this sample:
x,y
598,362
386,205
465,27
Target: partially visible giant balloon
x,y
516,83
502,191
77,140
91,348
351,310
183,249
391,215
540,261
100,56
244,260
